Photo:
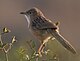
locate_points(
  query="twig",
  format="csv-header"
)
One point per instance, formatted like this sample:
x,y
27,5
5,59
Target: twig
x,y
33,58
30,46
3,47
37,59
34,51
6,56
1,39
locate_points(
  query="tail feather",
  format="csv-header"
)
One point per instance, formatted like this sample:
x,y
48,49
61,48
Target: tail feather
x,y
63,41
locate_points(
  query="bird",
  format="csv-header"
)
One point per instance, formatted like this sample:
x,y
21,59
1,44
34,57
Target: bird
x,y
44,29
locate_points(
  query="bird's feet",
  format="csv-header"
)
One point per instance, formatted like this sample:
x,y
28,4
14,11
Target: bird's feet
x,y
39,54
40,50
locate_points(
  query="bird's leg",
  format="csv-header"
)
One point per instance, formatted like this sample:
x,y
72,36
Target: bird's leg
x,y
41,49
42,46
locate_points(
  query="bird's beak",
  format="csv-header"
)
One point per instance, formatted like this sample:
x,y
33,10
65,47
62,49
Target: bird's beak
x,y
22,13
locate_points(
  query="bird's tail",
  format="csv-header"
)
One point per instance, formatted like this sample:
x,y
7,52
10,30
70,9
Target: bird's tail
x,y
63,41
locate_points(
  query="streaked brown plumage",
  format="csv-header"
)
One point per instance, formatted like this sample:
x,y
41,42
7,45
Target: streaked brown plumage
x,y
44,29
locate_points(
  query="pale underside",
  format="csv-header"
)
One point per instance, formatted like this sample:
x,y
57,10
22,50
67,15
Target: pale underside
x,y
28,20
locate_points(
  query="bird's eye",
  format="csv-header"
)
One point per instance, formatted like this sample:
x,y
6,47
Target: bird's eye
x,y
29,12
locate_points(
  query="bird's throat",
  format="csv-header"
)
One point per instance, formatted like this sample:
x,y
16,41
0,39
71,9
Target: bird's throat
x,y
28,20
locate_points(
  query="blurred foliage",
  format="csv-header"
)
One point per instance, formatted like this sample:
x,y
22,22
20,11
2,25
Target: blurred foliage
x,y
30,54
27,52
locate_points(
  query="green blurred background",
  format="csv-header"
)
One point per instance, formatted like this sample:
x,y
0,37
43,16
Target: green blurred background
x,y
65,11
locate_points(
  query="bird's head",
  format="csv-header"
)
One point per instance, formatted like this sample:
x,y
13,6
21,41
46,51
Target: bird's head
x,y
31,14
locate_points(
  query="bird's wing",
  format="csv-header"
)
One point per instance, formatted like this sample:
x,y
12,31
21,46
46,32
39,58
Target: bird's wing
x,y
42,23
63,41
